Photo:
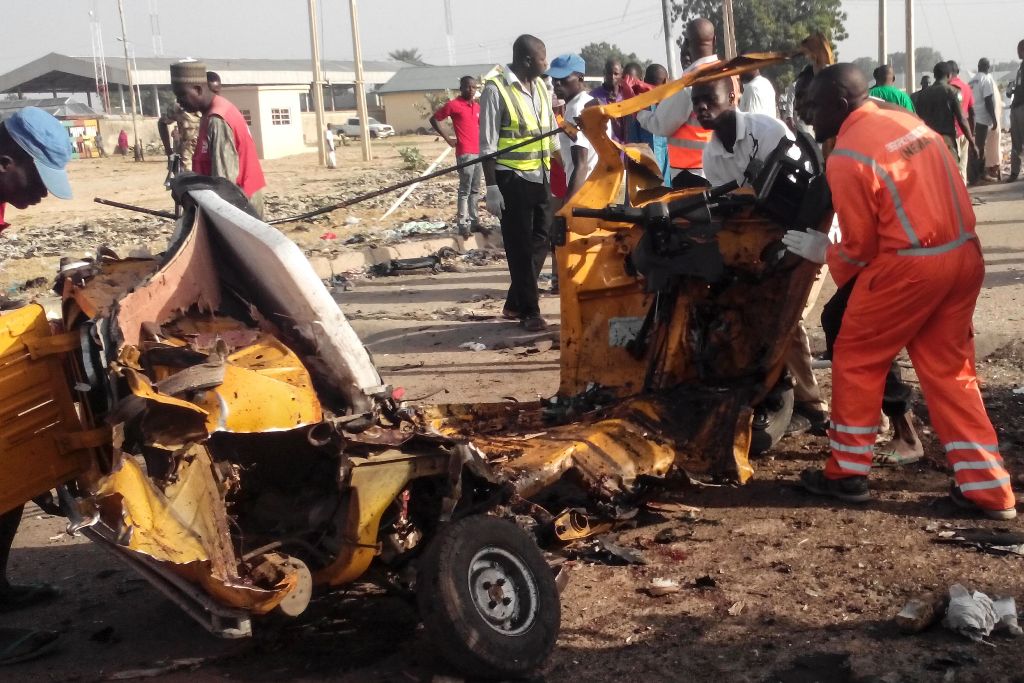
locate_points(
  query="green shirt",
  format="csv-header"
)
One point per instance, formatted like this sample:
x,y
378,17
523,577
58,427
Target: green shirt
x,y
891,93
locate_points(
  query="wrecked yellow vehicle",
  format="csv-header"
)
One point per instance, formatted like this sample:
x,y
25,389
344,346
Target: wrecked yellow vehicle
x,y
211,418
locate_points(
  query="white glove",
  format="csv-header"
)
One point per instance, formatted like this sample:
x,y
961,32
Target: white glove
x,y
811,245
495,202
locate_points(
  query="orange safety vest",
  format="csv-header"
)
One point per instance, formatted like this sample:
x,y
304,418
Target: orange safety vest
x,y
686,145
898,190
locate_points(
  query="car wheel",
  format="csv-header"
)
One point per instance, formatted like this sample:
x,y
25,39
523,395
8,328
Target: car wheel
x,y
488,599
771,418
373,134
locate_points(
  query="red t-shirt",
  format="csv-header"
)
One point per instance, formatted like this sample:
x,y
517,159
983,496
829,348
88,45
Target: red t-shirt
x,y
966,102
465,116
3,223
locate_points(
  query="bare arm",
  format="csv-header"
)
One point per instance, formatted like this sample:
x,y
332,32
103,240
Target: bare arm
x,y
990,106
958,114
437,126
165,136
580,155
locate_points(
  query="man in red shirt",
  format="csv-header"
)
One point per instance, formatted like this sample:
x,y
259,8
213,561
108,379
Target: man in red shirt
x,y
464,111
967,104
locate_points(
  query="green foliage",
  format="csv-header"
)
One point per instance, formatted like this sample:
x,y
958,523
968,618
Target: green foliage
x,y
769,25
596,54
432,101
409,56
413,158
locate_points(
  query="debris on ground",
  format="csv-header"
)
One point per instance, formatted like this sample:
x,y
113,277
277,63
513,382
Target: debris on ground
x,y
473,346
604,550
920,613
159,669
975,615
995,541
661,587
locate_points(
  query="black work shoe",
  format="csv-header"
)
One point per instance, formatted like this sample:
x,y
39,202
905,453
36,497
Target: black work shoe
x,y
798,424
962,501
850,489
817,418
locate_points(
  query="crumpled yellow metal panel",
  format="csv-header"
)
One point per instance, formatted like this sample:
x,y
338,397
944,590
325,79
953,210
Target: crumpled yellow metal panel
x,y
37,414
185,527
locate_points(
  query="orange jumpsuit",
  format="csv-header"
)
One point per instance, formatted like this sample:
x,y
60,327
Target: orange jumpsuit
x,y
908,236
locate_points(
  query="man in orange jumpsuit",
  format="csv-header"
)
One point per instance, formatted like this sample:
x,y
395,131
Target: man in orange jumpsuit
x,y
908,237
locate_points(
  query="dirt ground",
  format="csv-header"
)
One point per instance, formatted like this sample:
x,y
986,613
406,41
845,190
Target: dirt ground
x,y
776,585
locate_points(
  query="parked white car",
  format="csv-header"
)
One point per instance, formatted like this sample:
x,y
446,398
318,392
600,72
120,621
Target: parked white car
x,y
352,129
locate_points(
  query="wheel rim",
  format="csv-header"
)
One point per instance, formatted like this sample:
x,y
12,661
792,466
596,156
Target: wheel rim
x,y
503,590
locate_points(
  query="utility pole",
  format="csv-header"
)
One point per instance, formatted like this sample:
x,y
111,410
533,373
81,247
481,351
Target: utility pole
x,y
357,54
729,26
318,92
883,32
670,49
131,91
910,46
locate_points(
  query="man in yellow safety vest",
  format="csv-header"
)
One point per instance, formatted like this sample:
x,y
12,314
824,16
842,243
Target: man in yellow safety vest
x,y
514,107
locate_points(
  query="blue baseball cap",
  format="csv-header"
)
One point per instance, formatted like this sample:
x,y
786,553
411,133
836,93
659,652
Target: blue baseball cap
x,y
564,65
47,142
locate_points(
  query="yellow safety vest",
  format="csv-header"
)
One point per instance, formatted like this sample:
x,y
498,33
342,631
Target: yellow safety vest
x,y
523,124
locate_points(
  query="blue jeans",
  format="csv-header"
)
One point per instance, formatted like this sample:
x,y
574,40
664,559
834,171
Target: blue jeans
x,y
469,190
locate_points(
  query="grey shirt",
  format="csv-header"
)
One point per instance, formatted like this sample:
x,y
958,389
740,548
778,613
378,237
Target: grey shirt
x,y
493,113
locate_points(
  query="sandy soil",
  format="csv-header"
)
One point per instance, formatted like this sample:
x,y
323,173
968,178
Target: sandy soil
x,y
797,589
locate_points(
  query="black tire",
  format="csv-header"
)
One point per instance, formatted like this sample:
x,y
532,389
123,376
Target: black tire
x,y
770,420
458,571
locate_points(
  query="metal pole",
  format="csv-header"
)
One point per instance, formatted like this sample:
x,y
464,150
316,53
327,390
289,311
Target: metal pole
x,y
670,49
128,69
883,33
910,46
318,92
357,53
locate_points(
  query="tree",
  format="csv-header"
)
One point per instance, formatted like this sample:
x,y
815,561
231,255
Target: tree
x,y
409,56
596,54
925,59
770,25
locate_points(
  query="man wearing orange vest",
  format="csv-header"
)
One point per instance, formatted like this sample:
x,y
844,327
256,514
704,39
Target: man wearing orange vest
x,y
224,145
674,119
908,238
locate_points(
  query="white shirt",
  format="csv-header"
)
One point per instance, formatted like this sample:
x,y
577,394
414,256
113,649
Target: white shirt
x,y
757,136
983,85
759,97
674,111
573,108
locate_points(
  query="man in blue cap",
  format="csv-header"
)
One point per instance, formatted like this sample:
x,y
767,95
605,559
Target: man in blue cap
x,y
34,149
578,155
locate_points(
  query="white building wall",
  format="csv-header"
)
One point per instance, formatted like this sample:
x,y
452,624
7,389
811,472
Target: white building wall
x,y
279,139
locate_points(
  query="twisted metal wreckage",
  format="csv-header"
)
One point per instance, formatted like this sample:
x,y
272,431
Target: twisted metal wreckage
x,y
210,417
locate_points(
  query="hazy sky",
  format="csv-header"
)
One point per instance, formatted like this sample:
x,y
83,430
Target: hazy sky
x,y
960,29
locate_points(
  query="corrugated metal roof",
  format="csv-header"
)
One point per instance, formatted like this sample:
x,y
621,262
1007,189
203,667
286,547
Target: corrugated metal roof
x,y
432,78
61,107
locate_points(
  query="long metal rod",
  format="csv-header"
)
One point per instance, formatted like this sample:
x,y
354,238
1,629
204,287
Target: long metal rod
x,y
670,48
359,198
360,87
413,181
883,33
910,46
138,209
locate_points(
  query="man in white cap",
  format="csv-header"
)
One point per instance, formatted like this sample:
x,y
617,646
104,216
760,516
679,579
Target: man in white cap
x,y
34,150
224,145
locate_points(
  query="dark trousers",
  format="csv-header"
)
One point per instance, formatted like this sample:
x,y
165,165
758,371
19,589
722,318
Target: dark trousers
x,y
951,146
896,400
976,162
524,229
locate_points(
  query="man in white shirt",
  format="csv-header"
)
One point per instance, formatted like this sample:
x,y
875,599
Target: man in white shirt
x,y
758,95
578,155
983,85
673,117
737,138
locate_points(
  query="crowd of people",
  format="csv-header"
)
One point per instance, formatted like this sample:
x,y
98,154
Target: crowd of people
x,y
908,268
907,262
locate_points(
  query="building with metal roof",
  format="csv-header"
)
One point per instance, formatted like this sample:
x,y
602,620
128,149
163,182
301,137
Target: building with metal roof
x,y
408,96
61,107
57,73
